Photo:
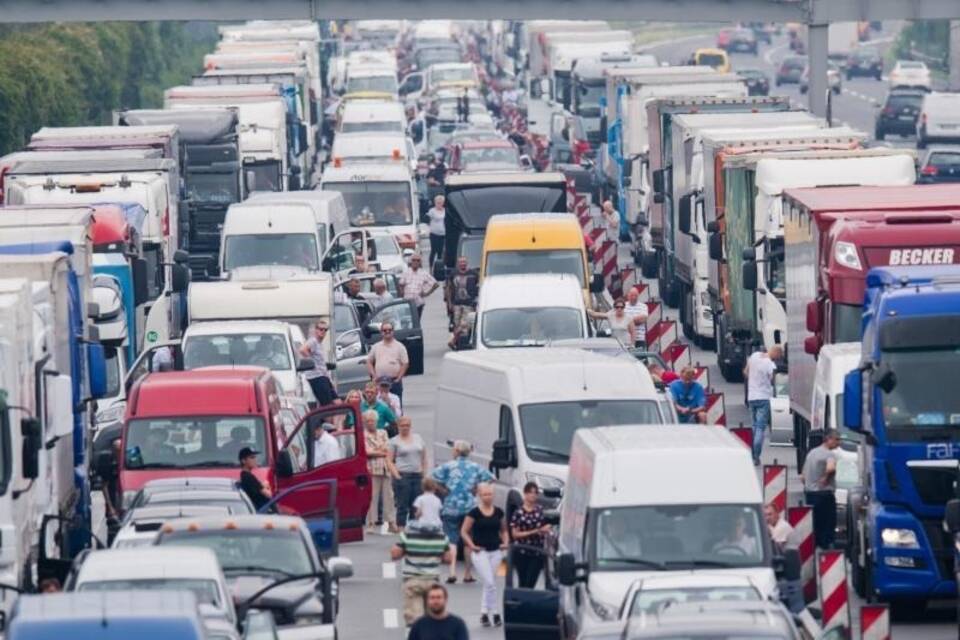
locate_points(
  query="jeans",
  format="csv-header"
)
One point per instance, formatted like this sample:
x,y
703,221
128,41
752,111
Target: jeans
x,y
760,415
396,388
405,491
528,567
485,565
323,390
824,504
436,248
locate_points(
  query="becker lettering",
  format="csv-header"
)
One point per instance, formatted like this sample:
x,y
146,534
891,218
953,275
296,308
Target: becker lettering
x,y
905,257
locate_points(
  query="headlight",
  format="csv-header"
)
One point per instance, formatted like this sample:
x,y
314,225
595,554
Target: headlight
x,y
545,482
111,414
128,497
846,254
899,538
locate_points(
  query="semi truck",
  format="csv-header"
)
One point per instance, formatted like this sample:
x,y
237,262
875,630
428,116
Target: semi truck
x,y
831,238
588,84
898,400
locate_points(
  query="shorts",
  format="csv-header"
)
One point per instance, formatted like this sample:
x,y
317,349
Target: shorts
x,y
461,314
451,527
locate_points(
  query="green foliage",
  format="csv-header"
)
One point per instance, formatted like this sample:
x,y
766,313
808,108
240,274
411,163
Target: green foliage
x,y
77,74
926,40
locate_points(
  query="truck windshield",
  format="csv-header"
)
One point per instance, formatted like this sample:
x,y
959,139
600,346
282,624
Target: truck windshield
x,y
192,442
219,188
917,403
847,321
267,350
531,327
263,176
372,127
776,270
375,204
684,536
548,428
289,249
451,74
589,93
205,590
238,550
472,248
565,261
382,84
498,156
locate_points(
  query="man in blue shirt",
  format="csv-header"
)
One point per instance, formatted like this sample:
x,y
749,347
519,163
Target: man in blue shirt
x,y
689,397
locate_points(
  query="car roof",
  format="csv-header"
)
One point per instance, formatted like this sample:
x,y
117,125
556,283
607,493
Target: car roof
x,y
148,562
167,511
186,483
239,522
229,327
722,616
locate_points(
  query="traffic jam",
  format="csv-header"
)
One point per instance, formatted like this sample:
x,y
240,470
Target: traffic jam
x,y
491,328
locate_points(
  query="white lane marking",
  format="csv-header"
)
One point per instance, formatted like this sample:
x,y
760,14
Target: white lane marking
x,y
391,619
389,570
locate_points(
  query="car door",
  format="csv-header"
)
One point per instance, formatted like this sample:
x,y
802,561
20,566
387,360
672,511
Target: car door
x,y
530,614
349,497
351,350
406,328
151,360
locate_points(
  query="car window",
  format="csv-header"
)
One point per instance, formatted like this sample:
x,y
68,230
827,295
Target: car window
x,y
400,314
944,159
904,100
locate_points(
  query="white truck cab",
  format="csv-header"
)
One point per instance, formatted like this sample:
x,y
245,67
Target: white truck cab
x,y
372,116
329,210
270,234
529,310
371,79
373,147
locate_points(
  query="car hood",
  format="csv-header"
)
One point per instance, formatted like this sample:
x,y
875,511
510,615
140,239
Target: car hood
x,y
609,587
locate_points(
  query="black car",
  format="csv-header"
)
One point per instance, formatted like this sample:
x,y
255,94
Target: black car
x,y
757,82
899,114
761,32
865,62
940,164
742,40
791,70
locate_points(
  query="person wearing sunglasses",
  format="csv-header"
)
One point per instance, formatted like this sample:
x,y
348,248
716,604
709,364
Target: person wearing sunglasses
x,y
388,358
621,325
318,378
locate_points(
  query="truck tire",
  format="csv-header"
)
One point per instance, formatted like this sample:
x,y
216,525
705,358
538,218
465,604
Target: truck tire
x,y
648,265
686,314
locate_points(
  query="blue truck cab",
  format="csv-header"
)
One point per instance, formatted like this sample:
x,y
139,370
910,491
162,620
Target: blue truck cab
x,y
903,402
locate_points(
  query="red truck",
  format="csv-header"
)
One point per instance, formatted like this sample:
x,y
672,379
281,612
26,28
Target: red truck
x,y
194,423
832,237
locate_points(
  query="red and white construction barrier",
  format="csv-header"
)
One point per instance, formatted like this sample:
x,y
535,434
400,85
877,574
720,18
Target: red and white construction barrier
x,y
717,411
834,600
676,355
745,434
801,519
775,485
874,622
661,335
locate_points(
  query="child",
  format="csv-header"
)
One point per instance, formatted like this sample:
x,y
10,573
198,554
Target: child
x,y
427,505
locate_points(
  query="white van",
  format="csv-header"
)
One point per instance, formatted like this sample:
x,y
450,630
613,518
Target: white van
x,y
643,501
376,148
371,79
529,310
372,116
268,234
329,210
520,407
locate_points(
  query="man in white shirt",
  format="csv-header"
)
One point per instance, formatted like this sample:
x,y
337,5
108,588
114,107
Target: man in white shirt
x,y
611,219
638,313
380,295
761,365
326,449
780,529
438,228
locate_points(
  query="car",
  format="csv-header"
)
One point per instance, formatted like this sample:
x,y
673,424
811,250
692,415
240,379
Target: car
x,y
715,619
390,256
911,74
791,70
742,40
761,31
258,551
940,164
834,79
716,58
758,84
486,155
723,38
899,113
195,490
939,119
865,61
139,526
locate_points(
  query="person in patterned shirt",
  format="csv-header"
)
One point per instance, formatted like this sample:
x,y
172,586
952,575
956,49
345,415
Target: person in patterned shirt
x,y
417,283
460,477
527,528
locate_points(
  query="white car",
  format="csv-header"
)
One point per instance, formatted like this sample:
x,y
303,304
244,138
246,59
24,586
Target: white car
x,y
389,254
910,73
140,526
781,421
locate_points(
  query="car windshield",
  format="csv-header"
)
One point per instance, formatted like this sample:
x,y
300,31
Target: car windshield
x,y
917,401
945,160
241,551
795,63
847,320
289,249
375,204
654,600
565,261
451,74
386,246
267,350
192,442
910,64
205,590
214,499
588,100
677,537
372,127
472,248
548,427
382,84
904,100
491,155
711,59
220,188
531,326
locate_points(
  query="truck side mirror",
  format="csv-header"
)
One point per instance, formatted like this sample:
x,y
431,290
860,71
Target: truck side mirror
x,y
716,246
32,443
814,316
811,345
568,573
951,516
596,283
97,366
658,182
603,128
884,377
181,278
749,254
181,257
504,455
748,272
852,398
284,464
141,292
683,215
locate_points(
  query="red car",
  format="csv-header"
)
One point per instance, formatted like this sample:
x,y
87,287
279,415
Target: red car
x,y
723,38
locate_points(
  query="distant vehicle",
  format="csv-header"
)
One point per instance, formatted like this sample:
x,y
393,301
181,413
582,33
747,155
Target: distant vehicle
x,y
940,164
911,74
761,31
742,40
790,70
486,155
899,113
939,119
758,84
864,62
723,38
140,526
716,619
716,58
834,78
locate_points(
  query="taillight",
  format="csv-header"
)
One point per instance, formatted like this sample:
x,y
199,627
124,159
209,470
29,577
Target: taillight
x,y
888,111
929,170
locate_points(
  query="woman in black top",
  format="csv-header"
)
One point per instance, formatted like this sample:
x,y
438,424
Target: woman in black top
x,y
527,527
484,532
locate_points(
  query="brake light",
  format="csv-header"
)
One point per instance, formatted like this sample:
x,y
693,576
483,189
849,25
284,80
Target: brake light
x,y
396,154
929,170
888,111
338,162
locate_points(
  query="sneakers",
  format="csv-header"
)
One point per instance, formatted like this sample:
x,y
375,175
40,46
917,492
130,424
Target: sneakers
x,y
485,620
497,621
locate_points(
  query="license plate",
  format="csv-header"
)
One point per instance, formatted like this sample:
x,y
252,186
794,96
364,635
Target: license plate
x,y
907,117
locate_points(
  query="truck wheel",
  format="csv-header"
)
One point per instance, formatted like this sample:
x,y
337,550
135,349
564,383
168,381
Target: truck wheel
x,y
858,574
686,313
648,266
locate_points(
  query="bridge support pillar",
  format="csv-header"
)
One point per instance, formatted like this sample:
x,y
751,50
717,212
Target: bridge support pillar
x,y
817,49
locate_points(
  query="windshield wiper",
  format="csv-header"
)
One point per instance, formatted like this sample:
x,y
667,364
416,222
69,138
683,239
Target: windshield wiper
x,y
698,562
532,448
659,566
255,567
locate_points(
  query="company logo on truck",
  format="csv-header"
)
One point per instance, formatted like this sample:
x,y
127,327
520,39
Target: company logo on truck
x,y
907,257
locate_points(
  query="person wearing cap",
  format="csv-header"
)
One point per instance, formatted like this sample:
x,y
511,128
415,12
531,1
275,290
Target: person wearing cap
x,y
417,283
258,493
387,397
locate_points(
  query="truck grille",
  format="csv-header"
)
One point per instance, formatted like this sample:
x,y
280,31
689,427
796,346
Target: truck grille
x,y
934,485
941,545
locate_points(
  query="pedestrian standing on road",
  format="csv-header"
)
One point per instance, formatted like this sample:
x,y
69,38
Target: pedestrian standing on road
x,y
484,532
780,529
387,397
258,493
819,487
318,378
761,365
381,472
423,548
461,292
388,358
638,312
460,477
428,505
621,324
438,624
611,221
527,527
438,231
417,283
370,401
408,455
689,397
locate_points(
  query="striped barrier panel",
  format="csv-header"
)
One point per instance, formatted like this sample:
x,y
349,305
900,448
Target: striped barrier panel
x,y
717,410
654,314
801,519
629,279
775,486
660,335
745,434
571,194
834,600
676,355
874,622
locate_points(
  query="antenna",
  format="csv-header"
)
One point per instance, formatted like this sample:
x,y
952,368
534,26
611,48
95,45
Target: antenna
x,y
583,370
